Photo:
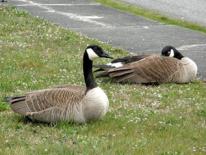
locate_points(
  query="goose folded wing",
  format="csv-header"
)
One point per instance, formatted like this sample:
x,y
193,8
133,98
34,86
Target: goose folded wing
x,y
104,69
38,101
148,70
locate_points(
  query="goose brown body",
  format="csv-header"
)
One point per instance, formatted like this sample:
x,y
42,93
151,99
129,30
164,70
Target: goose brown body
x,y
152,69
51,105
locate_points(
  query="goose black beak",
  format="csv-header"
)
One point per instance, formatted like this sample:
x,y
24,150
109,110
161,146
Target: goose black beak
x,y
105,55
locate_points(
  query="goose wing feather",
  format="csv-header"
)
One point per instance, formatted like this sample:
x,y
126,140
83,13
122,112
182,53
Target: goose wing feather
x,y
148,70
103,69
56,98
129,59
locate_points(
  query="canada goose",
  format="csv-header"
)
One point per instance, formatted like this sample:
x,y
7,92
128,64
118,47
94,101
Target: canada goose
x,y
68,103
170,66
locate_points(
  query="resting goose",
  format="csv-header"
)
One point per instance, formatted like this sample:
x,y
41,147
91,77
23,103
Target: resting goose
x,y
67,103
170,66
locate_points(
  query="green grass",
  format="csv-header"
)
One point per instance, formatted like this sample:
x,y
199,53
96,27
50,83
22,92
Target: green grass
x,y
151,14
35,54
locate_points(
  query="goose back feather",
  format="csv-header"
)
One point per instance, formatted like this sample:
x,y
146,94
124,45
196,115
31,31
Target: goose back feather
x,y
151,69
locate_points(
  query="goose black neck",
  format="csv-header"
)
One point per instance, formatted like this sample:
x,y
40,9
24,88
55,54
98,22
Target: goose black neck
x,y
88,75
178,55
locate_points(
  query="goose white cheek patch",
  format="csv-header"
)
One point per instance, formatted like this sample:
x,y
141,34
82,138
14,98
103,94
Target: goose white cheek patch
x,y
91,54
172,54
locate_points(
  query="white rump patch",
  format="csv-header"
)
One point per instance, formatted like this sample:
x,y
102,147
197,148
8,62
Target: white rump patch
x,y
91,54
172,53
116,65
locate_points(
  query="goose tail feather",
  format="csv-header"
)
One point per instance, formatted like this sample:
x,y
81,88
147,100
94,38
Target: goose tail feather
x,y
103,67
102,70
18,104
102,74
15,99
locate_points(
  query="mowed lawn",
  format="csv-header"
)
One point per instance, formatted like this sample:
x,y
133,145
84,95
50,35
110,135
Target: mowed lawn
x,y
169,119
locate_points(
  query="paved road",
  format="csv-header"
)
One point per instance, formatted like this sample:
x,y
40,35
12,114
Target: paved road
x,y
190,10
117,28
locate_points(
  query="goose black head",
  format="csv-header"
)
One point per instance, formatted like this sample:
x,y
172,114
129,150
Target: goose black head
x,y
95,51
170,51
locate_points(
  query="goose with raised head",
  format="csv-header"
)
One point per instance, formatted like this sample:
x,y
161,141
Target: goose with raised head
x,y
170,66
68,103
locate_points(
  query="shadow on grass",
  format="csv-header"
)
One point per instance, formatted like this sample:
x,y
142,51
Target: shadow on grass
x,y
26,120
111,81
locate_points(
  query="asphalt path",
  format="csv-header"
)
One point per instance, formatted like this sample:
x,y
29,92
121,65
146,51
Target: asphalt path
x,y
189,10
135,34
